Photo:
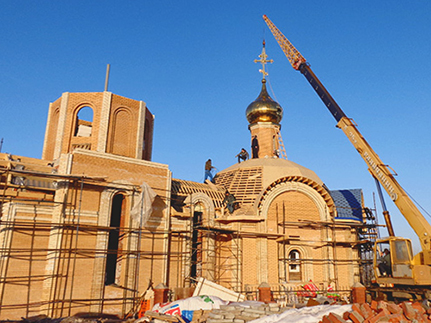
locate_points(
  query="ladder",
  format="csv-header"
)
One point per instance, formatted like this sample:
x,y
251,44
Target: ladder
x,y
281,148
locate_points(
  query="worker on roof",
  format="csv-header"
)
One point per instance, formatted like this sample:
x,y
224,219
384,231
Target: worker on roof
x,y
254,147
229,201
243,155
208,168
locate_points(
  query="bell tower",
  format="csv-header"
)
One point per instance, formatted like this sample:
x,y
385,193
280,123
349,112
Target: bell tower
x,y
264,116
98,121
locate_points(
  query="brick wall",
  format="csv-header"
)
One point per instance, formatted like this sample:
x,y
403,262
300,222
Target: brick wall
x,y
265,135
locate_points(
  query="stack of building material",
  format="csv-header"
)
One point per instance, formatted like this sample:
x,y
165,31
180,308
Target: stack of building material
x,y
242,313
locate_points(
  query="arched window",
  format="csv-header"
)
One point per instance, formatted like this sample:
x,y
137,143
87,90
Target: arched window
x,y
114,240
84,122
196,256
294,265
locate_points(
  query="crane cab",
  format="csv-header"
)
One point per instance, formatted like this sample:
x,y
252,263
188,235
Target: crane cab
x,y
394,263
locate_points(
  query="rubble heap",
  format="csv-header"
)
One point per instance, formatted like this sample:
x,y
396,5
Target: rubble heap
x,y
383,312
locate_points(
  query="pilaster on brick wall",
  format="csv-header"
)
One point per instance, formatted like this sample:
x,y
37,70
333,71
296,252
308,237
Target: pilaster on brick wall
x,y
262,259
236,245
167,216
211,257
47,129
61,125
140,130
55,238
104,122
8,216
53,256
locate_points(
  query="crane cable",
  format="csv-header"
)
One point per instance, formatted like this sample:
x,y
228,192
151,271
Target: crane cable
x,y
420,206
268,66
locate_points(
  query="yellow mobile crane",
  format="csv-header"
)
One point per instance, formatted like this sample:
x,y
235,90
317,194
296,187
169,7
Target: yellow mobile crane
x,y
400,269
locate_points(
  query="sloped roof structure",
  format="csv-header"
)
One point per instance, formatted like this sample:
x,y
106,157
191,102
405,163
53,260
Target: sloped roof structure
x,y
348,204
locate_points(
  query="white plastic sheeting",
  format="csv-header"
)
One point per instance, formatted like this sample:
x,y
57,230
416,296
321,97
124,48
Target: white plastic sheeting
x,y
143,207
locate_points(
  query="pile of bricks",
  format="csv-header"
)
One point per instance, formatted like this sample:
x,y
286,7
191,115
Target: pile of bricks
x,y
243,313
383,312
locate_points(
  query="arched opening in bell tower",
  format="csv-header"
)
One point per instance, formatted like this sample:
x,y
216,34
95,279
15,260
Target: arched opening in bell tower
x,y
84,122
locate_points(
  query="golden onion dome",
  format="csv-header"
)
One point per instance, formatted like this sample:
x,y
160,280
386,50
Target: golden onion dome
x,y
264,108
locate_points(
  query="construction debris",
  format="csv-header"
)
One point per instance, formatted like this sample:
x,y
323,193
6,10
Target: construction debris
x,y
185,308
384,312
259,312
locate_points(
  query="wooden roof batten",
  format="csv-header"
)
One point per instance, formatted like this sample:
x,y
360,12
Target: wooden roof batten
x,y
185,188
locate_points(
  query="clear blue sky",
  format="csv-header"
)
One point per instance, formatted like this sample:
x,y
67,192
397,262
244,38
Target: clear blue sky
x,y
192,63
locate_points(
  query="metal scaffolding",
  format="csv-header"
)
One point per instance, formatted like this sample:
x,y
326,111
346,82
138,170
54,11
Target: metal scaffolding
x,y
31,237
44,225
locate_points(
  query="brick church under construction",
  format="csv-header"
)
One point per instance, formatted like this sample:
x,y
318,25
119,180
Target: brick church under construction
x,y
94,223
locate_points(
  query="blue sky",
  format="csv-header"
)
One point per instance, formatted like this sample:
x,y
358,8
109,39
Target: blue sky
x,y
192,63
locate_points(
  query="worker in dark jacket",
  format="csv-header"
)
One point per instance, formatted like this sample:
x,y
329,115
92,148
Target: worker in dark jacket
x,y
229,200
254,147
385,263
243,155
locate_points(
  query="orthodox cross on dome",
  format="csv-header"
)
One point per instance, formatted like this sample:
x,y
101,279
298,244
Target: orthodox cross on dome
x,y
263,60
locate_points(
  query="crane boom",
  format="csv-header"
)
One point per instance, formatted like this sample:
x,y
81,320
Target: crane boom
x,y
298,62
293,55
376,167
